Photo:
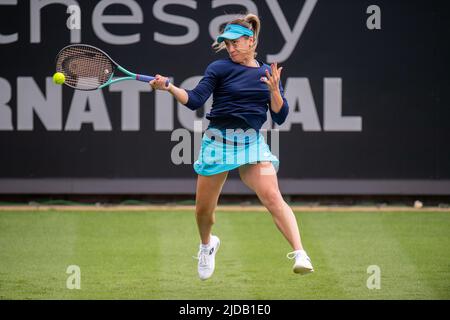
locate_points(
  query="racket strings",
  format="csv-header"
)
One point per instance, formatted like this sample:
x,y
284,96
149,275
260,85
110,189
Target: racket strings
x,y
84,67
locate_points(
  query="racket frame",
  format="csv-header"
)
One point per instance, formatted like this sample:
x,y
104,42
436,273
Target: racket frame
x,y
111,80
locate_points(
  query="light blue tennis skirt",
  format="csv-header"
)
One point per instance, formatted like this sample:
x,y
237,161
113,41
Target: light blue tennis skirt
x,y
225,150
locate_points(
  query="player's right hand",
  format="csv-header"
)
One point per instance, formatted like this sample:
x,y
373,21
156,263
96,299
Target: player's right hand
x,y
159,83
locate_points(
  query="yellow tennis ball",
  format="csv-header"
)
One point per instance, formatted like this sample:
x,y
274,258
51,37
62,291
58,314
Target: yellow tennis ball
x,y
59,78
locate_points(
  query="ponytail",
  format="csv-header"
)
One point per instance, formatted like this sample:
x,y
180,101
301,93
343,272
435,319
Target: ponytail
x,y
255,24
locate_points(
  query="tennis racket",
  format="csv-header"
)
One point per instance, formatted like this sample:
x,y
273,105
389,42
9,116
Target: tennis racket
x,y
88,68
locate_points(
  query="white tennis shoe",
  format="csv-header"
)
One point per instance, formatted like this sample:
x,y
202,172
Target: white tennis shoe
x,y
302,263
206,258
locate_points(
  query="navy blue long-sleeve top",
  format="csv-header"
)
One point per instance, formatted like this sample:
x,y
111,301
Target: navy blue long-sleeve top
x,y
240,98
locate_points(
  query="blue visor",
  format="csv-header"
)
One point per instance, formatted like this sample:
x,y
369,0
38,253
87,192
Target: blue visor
x,y
234,31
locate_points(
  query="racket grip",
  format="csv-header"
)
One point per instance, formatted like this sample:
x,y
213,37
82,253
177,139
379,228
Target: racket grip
x,y
144,78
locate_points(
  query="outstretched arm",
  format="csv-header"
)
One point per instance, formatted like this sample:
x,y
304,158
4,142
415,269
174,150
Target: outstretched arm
x,y
193,99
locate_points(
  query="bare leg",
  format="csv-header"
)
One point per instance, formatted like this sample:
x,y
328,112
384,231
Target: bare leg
x,y
207,195
262,179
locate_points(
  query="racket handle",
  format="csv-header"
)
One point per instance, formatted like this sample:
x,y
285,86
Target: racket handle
x,y
144,78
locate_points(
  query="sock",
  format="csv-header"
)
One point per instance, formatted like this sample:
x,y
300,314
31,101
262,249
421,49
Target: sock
x,y
205,246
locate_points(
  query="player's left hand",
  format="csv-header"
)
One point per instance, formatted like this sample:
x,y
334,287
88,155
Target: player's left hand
x,y
273,80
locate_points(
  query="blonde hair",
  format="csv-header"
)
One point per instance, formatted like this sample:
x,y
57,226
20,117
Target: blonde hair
x,y
250,21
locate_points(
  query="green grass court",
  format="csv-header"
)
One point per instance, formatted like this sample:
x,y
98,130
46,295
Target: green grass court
x,y
148,255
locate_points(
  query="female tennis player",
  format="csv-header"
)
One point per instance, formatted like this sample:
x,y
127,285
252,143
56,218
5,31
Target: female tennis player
x,y
243,89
